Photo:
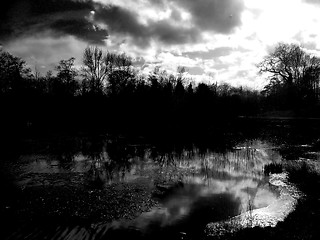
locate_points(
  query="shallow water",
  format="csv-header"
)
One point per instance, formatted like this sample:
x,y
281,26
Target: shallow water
x,y
188,187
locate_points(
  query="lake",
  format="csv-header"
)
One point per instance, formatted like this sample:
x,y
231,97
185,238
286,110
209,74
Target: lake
x,y
113,187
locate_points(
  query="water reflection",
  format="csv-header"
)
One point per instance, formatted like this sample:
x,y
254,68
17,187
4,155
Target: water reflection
x,y
184,213
192,187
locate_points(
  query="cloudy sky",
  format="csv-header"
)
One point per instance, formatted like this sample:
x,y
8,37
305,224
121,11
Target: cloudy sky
x,y
216,40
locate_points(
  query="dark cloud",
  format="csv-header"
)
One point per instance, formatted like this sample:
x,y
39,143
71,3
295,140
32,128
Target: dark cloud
x,y
74,17
195,70
173,34
61,17
312,1
220,16
139,61
71,17
241,73
215,15
218,64
81,29
305,42
211,15
176,15
45,50
123,21
207,15
214,53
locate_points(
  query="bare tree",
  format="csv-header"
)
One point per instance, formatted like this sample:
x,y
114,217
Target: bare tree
x,y
286,62
95,70
65,83
99,66
289,65
121,75
66,70
12,71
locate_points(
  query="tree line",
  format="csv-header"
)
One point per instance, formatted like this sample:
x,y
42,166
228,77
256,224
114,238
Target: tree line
x,y
108,92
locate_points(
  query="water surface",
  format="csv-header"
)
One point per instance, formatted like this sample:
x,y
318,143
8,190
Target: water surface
x,y
139,190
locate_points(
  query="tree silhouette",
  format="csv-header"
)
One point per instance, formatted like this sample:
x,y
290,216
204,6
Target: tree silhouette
x,y
12,72
285,62
65,83
114,96
102,70
179,88
121,77
293,73
95,70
